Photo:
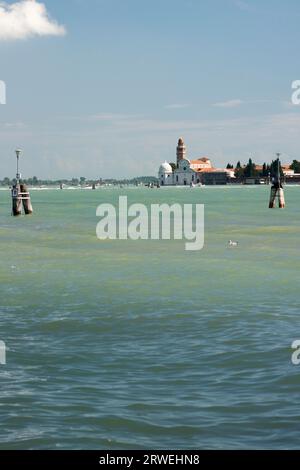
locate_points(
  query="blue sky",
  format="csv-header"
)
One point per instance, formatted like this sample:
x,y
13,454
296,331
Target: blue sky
x,y
111,96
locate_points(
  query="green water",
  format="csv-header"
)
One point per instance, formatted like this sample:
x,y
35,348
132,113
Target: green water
x,y
141,344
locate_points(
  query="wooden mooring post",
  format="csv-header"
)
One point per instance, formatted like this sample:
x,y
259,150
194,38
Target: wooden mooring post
x,y
277,189
20,194
16,200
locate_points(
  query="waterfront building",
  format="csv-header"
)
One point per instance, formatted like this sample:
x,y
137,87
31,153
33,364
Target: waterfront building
x,y
191,172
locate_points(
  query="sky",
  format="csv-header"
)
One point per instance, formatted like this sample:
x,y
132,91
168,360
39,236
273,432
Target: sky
x,y
104,88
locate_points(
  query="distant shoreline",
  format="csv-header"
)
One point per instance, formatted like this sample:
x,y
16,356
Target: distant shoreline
x,y
132,186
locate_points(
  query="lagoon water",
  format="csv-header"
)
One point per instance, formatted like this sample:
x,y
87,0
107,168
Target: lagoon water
x,y
141,344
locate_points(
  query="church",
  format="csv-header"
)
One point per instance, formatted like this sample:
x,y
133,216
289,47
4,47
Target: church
x,y
190,172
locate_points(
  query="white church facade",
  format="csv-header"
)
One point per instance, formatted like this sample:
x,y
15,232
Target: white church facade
x,y
190,172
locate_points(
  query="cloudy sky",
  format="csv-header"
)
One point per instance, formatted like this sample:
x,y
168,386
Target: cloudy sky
x,y
104,88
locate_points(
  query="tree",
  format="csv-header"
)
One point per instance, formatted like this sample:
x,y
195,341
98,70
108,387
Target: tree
x,y
239,170
82,180
295,166
250,171
6,181
229,166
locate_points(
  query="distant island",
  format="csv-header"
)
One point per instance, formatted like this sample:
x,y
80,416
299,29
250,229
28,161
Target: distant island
x,y
82,182
201,171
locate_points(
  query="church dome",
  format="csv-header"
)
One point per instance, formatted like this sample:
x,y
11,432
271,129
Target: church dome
x,y
165,168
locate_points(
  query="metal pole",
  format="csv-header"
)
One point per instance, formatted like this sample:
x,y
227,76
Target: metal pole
x,y
16,198
18,152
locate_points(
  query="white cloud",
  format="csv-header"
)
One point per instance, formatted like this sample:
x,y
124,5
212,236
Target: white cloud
x,y
27,18
229,104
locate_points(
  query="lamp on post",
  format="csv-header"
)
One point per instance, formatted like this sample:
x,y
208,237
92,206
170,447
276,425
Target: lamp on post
x,y
18,153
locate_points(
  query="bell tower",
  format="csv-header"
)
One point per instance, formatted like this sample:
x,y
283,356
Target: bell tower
x,y
181,150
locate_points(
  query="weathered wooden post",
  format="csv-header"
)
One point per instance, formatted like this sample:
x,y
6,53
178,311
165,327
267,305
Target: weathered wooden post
x,y
16,200
277,189
26,199
20,194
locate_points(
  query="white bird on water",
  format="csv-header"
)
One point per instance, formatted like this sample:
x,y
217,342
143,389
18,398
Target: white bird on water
x,y
232,243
